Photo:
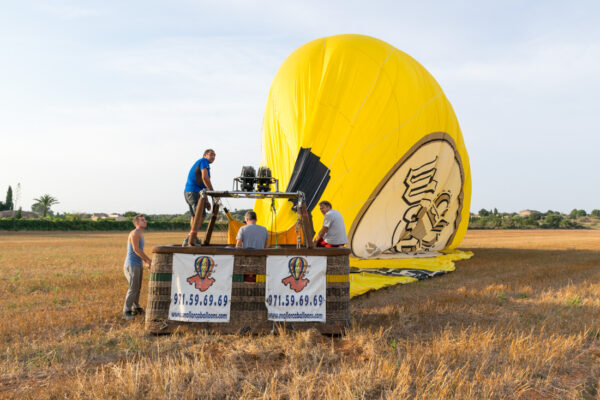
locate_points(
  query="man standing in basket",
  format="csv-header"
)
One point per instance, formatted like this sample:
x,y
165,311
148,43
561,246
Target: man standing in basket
x,y
198,179
133,268
252,236
333,233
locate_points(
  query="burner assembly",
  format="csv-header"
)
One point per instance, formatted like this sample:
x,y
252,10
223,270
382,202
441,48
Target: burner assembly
x,y
250,181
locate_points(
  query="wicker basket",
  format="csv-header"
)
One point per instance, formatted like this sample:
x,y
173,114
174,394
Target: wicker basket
x,y
248,309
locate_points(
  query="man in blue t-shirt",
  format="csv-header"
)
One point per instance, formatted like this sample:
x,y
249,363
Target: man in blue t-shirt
x,y
199,179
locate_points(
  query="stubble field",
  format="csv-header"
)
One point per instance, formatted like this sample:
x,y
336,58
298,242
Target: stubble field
x,y
521,320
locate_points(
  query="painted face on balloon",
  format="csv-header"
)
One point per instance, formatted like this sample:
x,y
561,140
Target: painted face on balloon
x,y
417,205
204,266
297,267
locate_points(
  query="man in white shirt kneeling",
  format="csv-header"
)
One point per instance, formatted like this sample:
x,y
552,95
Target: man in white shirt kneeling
x,y
333,233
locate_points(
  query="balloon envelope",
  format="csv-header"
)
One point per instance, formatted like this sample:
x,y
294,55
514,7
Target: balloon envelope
x,y
353,120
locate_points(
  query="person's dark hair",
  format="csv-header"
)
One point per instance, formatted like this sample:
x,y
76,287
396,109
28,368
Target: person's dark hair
x,y
207,151
326,203
137,218
251,215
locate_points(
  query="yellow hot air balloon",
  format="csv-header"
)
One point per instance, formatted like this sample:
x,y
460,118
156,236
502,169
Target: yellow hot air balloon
x,y
353,120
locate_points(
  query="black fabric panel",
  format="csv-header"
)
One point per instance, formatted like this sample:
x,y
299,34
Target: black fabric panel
x,y
310,176
410,272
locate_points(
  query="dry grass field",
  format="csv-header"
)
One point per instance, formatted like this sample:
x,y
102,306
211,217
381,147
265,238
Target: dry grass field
x,y
520,320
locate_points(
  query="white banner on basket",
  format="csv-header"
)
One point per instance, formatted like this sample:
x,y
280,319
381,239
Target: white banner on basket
x,y
201,288
296,288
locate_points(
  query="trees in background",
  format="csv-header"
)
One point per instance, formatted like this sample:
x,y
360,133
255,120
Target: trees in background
x,y
493,219
8,203
43,204
577,213
552,221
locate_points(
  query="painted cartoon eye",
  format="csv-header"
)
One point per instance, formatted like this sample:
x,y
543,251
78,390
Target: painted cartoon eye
x,y
297,266
204,266
353,120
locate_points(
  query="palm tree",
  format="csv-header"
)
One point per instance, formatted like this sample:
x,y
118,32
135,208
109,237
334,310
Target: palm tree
x,y
43,204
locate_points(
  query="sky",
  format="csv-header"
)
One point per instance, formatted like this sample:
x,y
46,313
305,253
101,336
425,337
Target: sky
x,y
105,105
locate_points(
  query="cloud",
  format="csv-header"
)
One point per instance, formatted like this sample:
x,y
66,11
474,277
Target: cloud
x,y
533,66
215,61
90,90
71,10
